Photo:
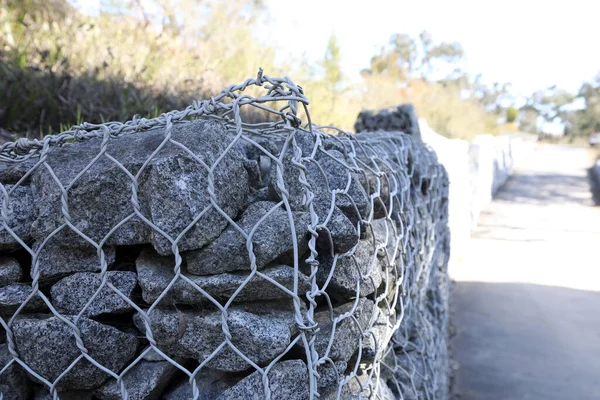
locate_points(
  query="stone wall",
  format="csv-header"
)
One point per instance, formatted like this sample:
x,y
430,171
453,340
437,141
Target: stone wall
x,y
197,259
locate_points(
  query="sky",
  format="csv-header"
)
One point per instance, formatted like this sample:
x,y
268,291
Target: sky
x,y
531,44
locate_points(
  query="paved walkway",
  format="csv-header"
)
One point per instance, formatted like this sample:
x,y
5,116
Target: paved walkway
x,y
526,302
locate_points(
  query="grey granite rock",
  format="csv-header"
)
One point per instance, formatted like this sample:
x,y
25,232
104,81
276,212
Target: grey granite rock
x,y
340,177
42,393
330,377
12,296
12,172
48,346
362,266
14,384
10,271
347,332
56,260
20,218
156,272
172,188
210,384
72,293
287,380
261,337
145,381
340,231
375,344
271,239
402,118
328,171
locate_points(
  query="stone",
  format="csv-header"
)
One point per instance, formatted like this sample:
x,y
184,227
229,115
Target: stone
x,y
328,171
145,381
340,177
47,345
11,172
210,384
402,118
14,384
271,239
261,337
56,260
20,218
156,272
347,332
287,380
261,194
362,266
72,293
375,344
340,231
10,271
152,355
386,239
172,188
44,394
330,376
12,296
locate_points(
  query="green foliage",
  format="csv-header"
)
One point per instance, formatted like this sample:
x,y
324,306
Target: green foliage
x,y
511,114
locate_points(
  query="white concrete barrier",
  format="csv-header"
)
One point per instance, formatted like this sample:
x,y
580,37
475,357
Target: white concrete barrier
x,y
476,171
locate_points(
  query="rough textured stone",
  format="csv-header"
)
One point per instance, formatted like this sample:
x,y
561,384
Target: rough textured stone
x,y
10,271
287,380
156,272
342,232
271,239
210,384
172,189
145,381
56,260
380,335
12,296
14,384
402,118
330,376
12,172
72,293
361,266
347,332
48,346
326,172
260,336
21,215
385,235
44,394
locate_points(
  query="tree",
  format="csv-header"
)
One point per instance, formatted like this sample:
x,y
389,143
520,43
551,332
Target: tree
x,y
407,58
511,114
332,65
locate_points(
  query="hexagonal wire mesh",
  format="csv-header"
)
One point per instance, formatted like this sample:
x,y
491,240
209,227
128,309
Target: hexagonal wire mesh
x,y
196,255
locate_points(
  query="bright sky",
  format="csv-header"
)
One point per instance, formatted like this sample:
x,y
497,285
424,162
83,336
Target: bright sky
x,y
531,43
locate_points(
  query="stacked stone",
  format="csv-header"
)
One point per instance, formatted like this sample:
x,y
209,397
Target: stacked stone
x,y
402,118
417,357
201,265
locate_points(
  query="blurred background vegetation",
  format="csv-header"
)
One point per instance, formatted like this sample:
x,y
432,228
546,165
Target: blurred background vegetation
x,y
59,67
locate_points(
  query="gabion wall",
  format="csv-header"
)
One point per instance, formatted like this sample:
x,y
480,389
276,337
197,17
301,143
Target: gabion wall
x,y
194,256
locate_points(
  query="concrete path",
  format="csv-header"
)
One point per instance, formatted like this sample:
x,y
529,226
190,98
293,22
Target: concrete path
x,y
526,302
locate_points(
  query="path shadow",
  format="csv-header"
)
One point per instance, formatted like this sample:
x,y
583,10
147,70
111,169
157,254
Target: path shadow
x,y
522,341
541,189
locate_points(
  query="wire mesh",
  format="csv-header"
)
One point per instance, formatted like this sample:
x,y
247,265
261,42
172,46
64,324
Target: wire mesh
x,y
195,255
